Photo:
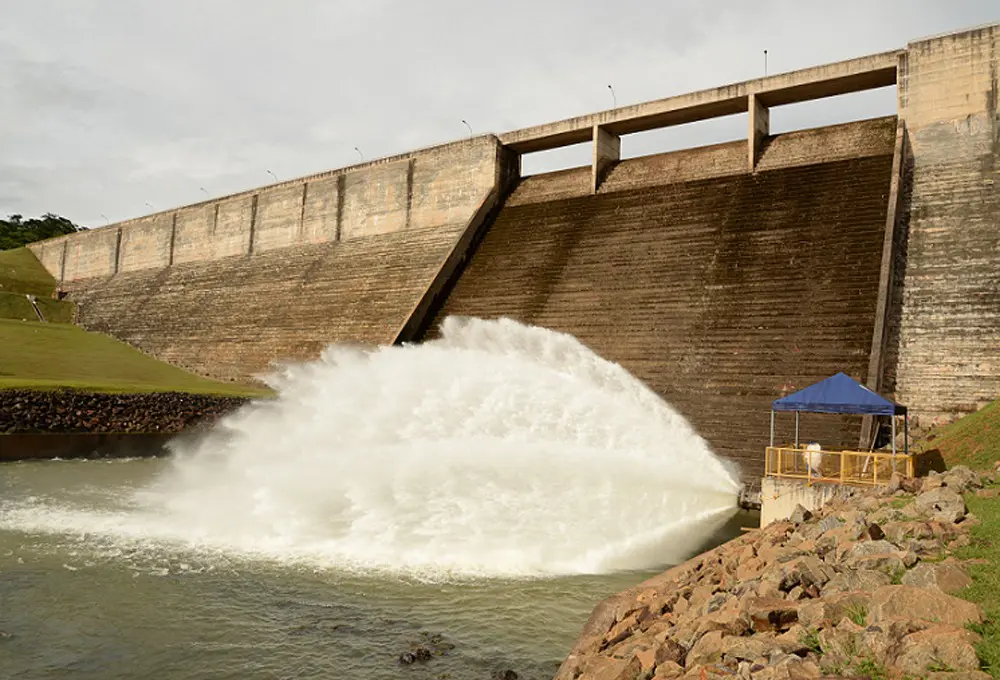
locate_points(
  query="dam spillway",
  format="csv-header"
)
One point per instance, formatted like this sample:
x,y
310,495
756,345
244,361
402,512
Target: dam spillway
x,y
698,287
722,276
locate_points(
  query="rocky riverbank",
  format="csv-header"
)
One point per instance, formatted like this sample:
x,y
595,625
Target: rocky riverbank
x,y
862,588
70,411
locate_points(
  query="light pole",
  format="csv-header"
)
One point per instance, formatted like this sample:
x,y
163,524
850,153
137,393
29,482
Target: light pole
x,y
206,193
466,124
360,154
272,175
150,206
614,99
106,218
765,63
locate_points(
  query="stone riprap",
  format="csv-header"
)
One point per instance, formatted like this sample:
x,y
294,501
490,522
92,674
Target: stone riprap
x,y
862,586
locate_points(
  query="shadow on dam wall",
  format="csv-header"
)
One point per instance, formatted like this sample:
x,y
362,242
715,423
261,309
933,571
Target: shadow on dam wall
x,y
720,292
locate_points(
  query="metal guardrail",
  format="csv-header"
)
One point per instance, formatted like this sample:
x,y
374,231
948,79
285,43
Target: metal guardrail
x,y
860,468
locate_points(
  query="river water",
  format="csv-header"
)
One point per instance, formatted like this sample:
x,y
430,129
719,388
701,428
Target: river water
x,y
475,496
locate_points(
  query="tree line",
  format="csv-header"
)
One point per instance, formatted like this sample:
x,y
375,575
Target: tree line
x,y
16,231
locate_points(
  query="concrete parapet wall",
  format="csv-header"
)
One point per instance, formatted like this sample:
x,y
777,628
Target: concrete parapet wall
x,y
420,190
779,497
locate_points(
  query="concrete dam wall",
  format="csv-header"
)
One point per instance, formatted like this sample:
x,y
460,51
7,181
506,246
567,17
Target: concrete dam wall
x,y
226,287
724,276
718,293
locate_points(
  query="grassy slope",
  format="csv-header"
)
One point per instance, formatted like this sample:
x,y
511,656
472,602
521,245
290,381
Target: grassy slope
x,y
37,355
975,441
21,272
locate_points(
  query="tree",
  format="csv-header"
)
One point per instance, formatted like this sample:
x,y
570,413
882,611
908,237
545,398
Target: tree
x,y
15,231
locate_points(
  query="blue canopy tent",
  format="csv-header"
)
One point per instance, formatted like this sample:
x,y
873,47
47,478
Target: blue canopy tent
x,y
841,394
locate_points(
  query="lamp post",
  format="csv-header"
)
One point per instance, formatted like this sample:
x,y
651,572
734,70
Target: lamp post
x,y
107,221
614,99
150,206
361,155
466,124
272,175
765,63
206,193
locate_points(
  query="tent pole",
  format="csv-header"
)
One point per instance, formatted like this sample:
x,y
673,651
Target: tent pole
x,y
894,443
906,434
772,428
796,429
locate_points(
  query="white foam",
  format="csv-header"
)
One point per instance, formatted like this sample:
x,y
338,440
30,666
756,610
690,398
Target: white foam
x,y
498,449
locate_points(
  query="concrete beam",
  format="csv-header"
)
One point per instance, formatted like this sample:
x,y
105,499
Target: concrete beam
x,y
853,75
760,128
607,152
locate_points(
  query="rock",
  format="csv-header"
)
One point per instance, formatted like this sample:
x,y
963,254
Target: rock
x,y
828,523
707,650
891,563
900,532
749,569
891,602
800,515
671,650
418,654
866,548
748,648
874,532
961,478
865,580
911,484
604,668
960,675
944,504
937,647
770,613
805,571
895,483
668,670
504,675
946,577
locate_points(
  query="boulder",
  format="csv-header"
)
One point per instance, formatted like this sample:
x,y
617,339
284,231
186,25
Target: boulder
x,y
865,580
960,675
937,648
911,484
874,532
805,571
922,604
961,478
946,577
668,670
770,613
748,648
605,668
890,563
800,515
944,504
707,650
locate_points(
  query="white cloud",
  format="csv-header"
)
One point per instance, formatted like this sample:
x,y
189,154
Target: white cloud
x,y
110,104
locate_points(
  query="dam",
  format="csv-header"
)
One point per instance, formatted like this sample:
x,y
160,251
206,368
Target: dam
x,y
721,276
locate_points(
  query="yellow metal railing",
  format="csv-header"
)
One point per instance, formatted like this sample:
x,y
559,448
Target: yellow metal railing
x,y
841,467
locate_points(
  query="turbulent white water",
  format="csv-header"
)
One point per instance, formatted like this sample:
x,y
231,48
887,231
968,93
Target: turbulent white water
x,y
498,449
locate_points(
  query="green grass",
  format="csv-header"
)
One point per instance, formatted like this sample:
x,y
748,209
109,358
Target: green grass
x,y
985,588
16,306
858,613
973,440
36,355
21,272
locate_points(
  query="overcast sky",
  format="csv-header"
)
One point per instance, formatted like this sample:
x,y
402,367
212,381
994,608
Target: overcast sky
x,y
106,106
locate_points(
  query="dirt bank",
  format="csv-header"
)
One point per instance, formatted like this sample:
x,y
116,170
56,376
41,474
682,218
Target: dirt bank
x,y
862,588
65,411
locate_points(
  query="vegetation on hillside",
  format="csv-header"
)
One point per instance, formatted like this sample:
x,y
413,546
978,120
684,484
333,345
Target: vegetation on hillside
x,y
974,441
21,272
15,231
36,355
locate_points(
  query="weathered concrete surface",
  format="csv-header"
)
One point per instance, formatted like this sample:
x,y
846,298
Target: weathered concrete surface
x,y
945,349
231,317
719,293
419,190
